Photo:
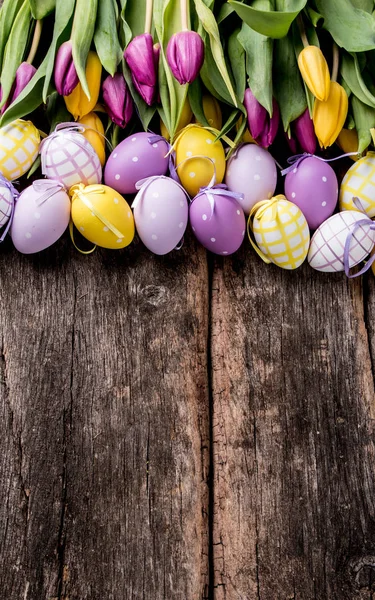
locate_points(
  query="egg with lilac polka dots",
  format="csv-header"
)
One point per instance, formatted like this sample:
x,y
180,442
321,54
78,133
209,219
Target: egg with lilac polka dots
x,y
218,221
102,216
138,156
41,215
312,185
198,158
251,170
161,213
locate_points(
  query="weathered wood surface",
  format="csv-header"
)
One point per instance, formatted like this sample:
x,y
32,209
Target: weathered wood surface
x,y
139,394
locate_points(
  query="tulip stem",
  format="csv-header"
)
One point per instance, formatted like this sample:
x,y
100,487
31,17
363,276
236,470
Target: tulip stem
x,y
335,63
184,4
148,19
35,42
302,31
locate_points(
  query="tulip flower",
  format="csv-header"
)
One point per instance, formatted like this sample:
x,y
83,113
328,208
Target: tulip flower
x,y
314,70
262,127
117,99
65,73
329,116
94,133
77,103
142,58
24,74
347,141
212,111
185,119
185,55
303,135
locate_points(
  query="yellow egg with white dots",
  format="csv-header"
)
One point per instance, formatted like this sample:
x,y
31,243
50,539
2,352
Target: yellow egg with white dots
x,y
19,146
198,157
102,215
357,190
280,231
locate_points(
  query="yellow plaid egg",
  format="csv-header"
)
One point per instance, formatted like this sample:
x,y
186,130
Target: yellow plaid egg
x,y
359,182
19,145
280,231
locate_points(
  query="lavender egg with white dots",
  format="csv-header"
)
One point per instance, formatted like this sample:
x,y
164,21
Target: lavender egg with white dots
x,y
218,222
138,156
312,186
41,215
251,171
161,214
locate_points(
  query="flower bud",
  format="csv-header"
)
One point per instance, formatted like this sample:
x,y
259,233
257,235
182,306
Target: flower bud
x,y
303,135
314,70
256,114
77,102
94,133
185,55
329,116
143,58
24,74
347,141
117,99
65,73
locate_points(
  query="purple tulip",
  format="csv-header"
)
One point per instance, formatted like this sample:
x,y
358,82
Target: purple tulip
x,y
143,59
263,128
24,74
117,99
185,55
303,132
66,78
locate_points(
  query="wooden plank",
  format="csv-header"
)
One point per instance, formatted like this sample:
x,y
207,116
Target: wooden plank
x,y
104,453
293,434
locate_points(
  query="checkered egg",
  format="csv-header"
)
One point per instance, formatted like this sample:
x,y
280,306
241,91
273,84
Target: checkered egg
x,y
281,233
6,203
19,145
69,158
359,182
328,242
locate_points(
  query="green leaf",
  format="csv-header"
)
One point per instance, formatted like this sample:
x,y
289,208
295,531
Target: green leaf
x,y
350,27
41,8
133,15
315,18
367,5
195,95
288,86
259,51
209,24
364,118
230,123
15,49
271,23
144,111
82,34
352,75
106,38
236,54
35,166
8,13
64,12
225,11
212,79
56,111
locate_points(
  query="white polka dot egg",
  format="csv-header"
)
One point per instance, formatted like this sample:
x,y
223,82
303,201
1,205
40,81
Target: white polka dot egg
x,y
160,213
19,145
359,182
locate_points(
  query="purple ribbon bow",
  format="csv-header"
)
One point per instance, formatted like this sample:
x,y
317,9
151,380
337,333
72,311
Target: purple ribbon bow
x,y
295,161
220,189
47,188
358,225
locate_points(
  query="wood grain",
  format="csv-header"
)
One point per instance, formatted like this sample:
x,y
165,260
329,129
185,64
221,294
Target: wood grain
x,y
293,434
104,453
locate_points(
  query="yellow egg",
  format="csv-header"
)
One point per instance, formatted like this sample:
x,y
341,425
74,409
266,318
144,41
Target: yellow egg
x,y
281,232
19,146
359,182
193,147
102,215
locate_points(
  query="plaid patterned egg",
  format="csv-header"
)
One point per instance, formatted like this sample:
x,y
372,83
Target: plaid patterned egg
x,y
328,242
69,158
359,182
6,203
19,145
280,231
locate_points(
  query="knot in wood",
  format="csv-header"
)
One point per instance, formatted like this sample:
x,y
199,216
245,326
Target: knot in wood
x,y
155,294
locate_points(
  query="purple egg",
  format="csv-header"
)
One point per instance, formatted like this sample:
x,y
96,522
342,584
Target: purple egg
x,y
41,216
251,171
313,187
161,214
135,158
218,221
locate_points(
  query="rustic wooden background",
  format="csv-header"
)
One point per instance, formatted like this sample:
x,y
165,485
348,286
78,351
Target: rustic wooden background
x,y
185,428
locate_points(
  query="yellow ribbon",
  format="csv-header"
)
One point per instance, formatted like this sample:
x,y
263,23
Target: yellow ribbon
x,y
71,232
258,211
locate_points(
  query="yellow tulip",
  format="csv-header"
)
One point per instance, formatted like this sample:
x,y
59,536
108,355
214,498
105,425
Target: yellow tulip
x,y
77,102
314,70
94,134
347,141
185,119
329,116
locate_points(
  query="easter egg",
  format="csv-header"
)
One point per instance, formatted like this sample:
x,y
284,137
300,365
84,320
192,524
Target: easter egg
x,y
160,213
252,171
139,156
41,215
19,145
359,182
280,231
194,146
328,242
7,197
218,221
102,216
69,158
312,186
